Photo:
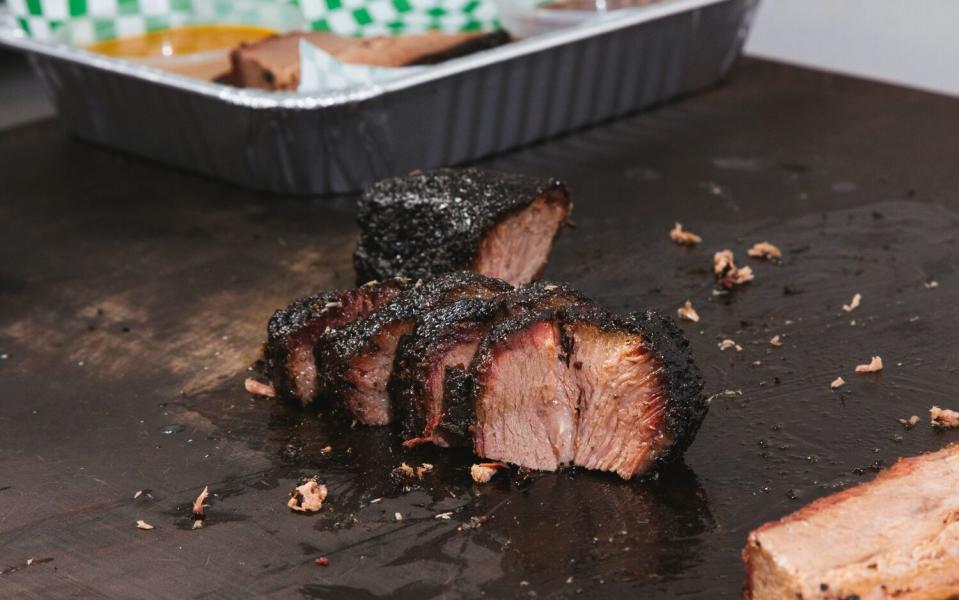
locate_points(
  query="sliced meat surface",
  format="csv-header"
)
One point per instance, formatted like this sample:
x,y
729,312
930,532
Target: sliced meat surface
x,y
585,388
293,332
444,341
274,62
894,537
428,223
358,359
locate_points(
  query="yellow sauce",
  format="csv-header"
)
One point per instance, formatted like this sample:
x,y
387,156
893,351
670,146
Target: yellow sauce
x,y
176,41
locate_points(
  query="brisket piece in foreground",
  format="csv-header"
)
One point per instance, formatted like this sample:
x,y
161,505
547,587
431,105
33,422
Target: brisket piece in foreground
x,y
294,331
358,359
273,63
427,223
442,346
896,536
585,388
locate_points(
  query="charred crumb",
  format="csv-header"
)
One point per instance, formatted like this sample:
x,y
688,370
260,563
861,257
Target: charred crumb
x,y
853,304
765,250
483,472
683,238
686,312
399,217
910,422
307,497
728,275
199,509
874,366
943,418
258,388
473,523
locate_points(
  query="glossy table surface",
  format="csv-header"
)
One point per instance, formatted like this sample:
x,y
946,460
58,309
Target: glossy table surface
x,y
134,302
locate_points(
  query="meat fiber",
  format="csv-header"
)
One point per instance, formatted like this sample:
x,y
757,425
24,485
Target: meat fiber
x,y
358,358
585,388
274,62
894,537
293,332
434,222
442,344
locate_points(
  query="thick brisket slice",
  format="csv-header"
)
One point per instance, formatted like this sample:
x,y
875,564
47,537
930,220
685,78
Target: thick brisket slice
x,y
433,222
294,331
587,388
274,62
358,359
444,342
894,537
641,395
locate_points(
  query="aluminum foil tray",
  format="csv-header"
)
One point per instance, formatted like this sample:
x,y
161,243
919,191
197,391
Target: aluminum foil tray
x,y
452,113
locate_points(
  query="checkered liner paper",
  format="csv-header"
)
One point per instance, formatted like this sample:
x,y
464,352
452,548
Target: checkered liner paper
x,y
94,20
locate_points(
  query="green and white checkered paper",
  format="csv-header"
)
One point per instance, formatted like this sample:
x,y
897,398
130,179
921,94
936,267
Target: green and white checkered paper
x,y
88,21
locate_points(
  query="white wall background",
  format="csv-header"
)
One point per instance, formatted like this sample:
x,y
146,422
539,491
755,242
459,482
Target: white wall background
x,y
909,42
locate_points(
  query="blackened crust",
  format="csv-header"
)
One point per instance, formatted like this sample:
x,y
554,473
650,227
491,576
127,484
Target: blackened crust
x,y
686,406
459,414
308,318
435,333
476,44
337,350
284,324
432,222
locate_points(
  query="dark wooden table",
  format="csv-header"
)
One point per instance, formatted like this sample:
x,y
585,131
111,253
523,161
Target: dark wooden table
x,y
134,298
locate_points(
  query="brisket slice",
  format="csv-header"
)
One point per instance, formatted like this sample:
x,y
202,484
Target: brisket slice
x,y
584,388
896,536
442,345
358,359
294,331
273,63
427,223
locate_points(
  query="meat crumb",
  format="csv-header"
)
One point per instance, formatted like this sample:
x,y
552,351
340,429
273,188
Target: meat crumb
x,y
483,472
446,516
765,250
308,497
910,422
729,344
141,524
474,523
398,516
405,470
326,450
874,366
837,383
321,561
199,512
776,341
423,469
943,418
686,312
931,284
726,271
683,238
260,389
138,494
854,304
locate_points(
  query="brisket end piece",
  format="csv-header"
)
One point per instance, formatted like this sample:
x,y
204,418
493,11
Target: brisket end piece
x,y
587,388
642,400
358,359
427,223
893,537
273,63
294,331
